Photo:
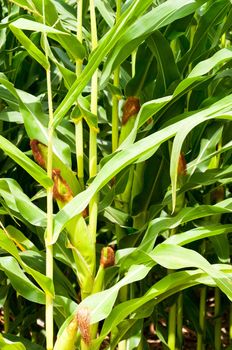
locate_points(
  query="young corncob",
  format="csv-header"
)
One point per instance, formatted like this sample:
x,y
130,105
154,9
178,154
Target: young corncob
x,y
67,339
130,111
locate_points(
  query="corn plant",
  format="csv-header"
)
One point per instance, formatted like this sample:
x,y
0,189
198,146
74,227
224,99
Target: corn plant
x,y
115,187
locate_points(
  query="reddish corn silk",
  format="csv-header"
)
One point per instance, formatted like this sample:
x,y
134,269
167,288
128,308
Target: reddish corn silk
x,y
107,257
218,194
130,108
37,154
61,190
182,165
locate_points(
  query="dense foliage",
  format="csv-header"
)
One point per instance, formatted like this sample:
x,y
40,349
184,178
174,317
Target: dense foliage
x,y
115,176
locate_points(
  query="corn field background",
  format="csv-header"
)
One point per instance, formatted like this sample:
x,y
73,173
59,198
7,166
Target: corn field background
x,y
115,174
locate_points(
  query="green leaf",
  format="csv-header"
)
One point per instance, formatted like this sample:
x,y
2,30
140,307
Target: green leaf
x,y
82,110
12,117
221,246
198,233
106,11
182,258
26,24
220,57
44,282
19,238
30,47
28,345
37,261
26,4
18,201
185,215
208,146
26,163
167,69
20,281
6,344
68,76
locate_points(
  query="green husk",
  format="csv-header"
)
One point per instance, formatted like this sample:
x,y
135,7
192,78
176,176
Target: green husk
x,y
67,339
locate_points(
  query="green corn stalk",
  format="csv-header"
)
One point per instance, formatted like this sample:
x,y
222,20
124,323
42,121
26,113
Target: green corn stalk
x,y
230,325
172,327
176,310
49,231
93,205
201,333
6,305
6,309
179,320
115,98
219,196
218,323
79,121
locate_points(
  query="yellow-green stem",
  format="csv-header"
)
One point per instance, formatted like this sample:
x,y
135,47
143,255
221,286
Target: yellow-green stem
x,y
223,41
115,116
201,333
79,33
6,309
79,123
172,316
49,231
126,195
217,325
179,320
230,324
172,327
133,62
192,33
115,98
79,151
93,205
84,346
